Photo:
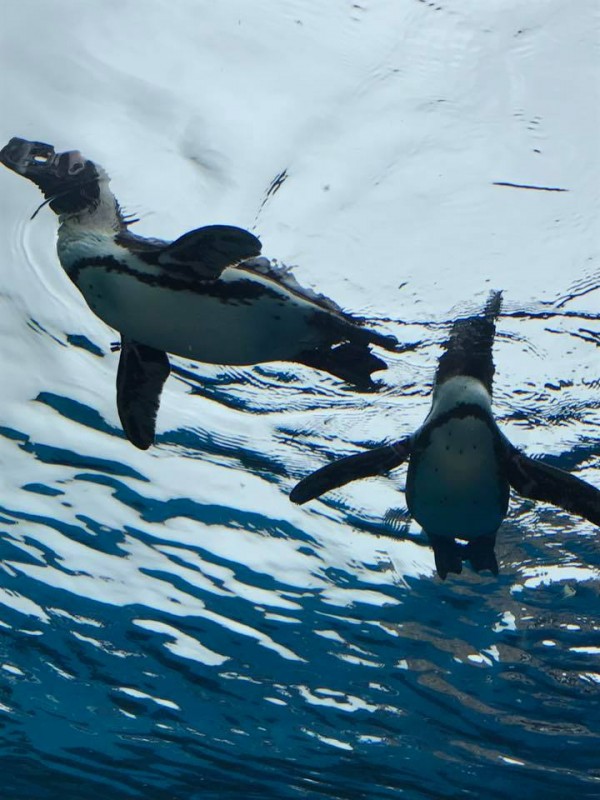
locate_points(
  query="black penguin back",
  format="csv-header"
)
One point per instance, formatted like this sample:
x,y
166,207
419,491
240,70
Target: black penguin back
x,y
468,350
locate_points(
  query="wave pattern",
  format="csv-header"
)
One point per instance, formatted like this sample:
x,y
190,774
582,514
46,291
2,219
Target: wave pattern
x,y
164,641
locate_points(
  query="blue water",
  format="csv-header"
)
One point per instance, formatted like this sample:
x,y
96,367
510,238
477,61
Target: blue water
x,y
171,626
199,675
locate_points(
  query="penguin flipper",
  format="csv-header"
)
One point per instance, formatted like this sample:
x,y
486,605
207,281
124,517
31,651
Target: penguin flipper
x,y
539,481
206,252
140,378
339,473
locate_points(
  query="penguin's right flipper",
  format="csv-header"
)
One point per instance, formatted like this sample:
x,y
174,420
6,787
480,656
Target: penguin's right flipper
x,y
140,378
206,252
539,481
363,465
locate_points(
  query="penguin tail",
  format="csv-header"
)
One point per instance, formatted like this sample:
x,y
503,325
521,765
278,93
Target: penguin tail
x,y
355,331
344,327
349,361
449,554
368,336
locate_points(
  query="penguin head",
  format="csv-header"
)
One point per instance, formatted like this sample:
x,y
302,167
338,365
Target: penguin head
x,y
69,182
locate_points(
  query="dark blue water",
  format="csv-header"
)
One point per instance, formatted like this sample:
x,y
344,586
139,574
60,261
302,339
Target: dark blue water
x,y
155,659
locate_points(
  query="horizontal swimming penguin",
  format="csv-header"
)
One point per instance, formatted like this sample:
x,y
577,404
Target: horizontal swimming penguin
x,y
460,465
206,296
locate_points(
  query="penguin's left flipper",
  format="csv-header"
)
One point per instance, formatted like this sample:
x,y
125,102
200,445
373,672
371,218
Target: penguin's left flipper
x,y
539,481
206,252
140,378
363,465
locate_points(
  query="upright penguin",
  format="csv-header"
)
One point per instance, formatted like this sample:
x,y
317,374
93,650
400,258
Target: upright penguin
x,y
460,465
206,296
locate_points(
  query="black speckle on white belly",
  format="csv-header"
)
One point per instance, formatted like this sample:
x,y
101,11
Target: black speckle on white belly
x,y
235,325
455,485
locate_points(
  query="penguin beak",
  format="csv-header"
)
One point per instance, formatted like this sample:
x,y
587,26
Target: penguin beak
x,y
28,158
68,181
35,160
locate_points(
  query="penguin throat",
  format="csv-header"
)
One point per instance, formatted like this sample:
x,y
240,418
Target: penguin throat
x,y
457,391
103,214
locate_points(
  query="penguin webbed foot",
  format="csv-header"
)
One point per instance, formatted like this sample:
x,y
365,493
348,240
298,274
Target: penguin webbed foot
x,y
480,554
450,554
349,361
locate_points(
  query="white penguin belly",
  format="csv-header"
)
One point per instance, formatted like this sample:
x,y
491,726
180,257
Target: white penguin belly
x,y
272,327
456,487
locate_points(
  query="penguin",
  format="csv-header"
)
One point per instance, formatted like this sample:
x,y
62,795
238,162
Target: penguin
x,y
460,465
207,296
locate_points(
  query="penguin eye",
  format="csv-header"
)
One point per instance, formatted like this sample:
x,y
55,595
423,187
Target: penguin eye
x,y
41,158
75,168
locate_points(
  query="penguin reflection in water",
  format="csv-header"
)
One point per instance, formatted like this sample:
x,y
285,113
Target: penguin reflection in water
x,y
206,296
460,466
